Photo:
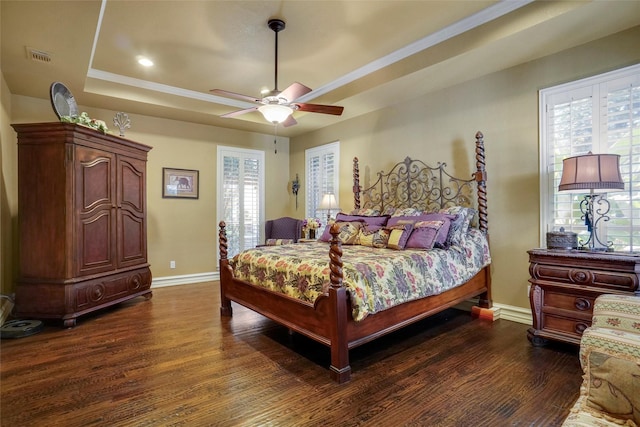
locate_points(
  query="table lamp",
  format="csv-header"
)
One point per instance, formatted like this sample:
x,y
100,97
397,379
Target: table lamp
x,y
328,203
592,172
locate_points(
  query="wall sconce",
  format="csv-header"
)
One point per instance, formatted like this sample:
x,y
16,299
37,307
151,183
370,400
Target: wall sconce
x,y
592,172
295,187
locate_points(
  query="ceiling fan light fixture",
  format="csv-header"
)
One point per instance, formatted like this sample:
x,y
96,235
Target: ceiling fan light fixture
x,y
275,113
277,105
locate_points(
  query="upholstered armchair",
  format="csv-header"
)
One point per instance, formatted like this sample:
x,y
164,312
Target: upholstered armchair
x,y
610,360
282,230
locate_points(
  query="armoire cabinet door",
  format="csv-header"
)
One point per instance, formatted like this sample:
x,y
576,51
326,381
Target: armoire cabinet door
x,y
95,204
131,204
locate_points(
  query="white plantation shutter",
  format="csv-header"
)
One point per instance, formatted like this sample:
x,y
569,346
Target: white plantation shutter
x,y
600,114
570,128
322,178
241,196
622,136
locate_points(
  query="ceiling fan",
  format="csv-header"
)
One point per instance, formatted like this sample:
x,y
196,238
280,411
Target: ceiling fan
x,y
276,106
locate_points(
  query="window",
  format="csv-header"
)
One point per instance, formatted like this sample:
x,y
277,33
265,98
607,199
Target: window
x,y
322,166
241,196
600,114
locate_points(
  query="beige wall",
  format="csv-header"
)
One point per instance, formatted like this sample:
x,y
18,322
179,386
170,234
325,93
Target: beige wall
x,y
441,127
178,229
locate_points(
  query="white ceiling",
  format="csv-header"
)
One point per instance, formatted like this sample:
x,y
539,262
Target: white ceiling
x,y
363,55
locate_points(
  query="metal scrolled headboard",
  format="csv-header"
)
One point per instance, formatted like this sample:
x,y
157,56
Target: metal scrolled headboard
x,y
414,184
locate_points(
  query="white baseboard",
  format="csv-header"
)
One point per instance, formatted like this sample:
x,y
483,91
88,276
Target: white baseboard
x,y
515,314
187,279
502,311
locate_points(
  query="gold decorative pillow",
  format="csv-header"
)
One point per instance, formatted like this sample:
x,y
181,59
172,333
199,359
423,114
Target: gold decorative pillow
x,y
613,386
376,237
349,232
398,235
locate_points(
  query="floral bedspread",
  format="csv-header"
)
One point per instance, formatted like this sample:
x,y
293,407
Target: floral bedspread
x,y
376,279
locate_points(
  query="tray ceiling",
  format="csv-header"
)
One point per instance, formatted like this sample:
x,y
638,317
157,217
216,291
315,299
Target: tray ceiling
x,y
364,55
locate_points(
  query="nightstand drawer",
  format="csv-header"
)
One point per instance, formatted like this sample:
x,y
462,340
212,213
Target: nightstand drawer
x,y
614,280
572,327
578,303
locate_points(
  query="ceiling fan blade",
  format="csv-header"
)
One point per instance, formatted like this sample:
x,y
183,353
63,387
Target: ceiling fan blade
x,y
318,108
228,94
290,121
295,91
239,112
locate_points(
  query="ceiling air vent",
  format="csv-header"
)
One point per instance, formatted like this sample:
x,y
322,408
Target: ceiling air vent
x,y
38,55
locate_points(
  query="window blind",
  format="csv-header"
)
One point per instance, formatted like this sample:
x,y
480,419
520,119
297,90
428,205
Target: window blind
x,y
322,177
241,196
600,114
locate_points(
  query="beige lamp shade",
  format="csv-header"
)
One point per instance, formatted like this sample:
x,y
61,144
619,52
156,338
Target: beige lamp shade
x,y
328,202
591,172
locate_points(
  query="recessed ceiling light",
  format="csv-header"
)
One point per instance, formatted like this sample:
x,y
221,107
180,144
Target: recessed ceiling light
x,y
146,62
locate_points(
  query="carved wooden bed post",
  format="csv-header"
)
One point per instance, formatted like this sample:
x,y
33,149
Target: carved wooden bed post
x,y
340,370
484,300
481,178
225,303
356,184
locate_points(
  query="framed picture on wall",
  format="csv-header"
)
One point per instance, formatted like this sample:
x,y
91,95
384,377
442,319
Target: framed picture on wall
x,y
180,183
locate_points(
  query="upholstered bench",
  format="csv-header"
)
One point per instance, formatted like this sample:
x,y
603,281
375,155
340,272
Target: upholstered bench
x,y
610,360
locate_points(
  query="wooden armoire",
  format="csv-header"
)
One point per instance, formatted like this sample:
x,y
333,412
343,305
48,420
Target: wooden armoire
x,y
81,219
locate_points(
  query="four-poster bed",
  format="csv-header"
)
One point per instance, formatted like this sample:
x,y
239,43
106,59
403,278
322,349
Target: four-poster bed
x,y
321,299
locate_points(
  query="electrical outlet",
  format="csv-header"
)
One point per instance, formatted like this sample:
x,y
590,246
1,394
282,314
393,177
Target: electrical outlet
x,y
172,264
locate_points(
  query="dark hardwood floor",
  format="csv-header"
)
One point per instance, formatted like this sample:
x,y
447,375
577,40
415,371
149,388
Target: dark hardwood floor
x,y
173,361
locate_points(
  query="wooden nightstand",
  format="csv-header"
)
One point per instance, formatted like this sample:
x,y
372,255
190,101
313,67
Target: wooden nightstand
x,y
564,285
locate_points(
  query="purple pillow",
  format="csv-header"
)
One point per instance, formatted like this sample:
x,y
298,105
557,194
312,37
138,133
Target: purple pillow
x,y
369,220
326,234
441,237
424,234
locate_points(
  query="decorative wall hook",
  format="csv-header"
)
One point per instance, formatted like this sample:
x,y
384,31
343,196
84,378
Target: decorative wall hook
x,y
295,186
